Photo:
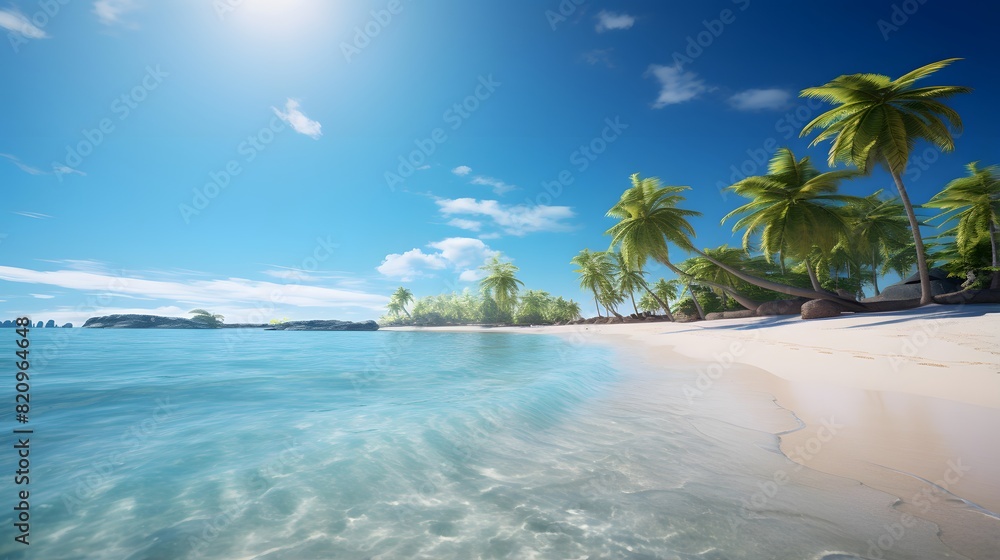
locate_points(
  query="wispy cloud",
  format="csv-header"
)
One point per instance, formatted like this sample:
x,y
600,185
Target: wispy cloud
x,y
471,225
209,292
676,85
298,120
15,22
598,56
110,12
761,99
516,220
459,254
57,168
35,215
462,170
41,296
611,21
499,187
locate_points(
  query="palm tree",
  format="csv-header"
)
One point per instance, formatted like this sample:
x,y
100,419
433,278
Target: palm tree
x,y
879,228
649,219
792,209
704,271
202,316
401,297
975,202
393,307
596,274
501,283
877,121
627,279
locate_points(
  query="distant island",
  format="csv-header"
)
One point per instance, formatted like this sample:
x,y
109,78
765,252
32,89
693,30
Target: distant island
x,y
50,324
156,322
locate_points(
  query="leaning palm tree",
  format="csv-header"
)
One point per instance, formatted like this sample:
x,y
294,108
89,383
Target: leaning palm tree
x,y
596,274
793,209
878,120
975,202
666,290
401,297
501,283
202,316
724,283
629,279
649,217
878,230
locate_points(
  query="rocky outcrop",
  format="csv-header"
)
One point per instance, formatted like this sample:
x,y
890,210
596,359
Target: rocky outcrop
x,y
969,296
781,307
142,322
332,325
50,324
741,314
821,309
910,288
68,326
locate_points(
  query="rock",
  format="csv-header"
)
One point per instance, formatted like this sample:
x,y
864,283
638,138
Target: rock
x,y
741,314
969,296
910,288
846,295
331,325
40,325
68,326
142,322
781,307
821,308
7,325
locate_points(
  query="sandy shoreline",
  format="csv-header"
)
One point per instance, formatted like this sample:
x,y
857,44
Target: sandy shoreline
x,y
909,401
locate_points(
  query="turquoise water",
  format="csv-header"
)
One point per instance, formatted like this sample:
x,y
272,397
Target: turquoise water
x,y
309,445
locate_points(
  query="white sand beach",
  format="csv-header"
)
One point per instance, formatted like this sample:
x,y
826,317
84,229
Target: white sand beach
x,y
905,402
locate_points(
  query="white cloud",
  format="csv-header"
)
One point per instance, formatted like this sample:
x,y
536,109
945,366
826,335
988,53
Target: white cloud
x,y
454,253
35,215
514,220
598,56
57,168
462,170
472,275
41,296
110,12
471,225
760,99
298,121
207,292
15,22
676,85
609,21
499,187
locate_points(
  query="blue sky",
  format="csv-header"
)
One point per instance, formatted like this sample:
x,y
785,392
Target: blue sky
x,y
302,158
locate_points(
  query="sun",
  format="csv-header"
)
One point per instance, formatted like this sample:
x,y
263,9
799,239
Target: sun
x,y
274,16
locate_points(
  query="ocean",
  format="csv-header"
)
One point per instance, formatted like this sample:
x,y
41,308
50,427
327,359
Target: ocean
x,y
174,444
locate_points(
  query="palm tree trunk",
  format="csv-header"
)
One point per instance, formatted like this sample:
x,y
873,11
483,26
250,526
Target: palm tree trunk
x,y
697,305
781,261
812,276
663,304
725,302
926,296
740,298
407,313
875,270
597,305
783,288
993,250
632,297
612,310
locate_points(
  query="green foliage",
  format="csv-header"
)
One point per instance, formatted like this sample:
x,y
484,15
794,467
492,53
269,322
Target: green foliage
x,y
501,284
468,308
202,316
973,203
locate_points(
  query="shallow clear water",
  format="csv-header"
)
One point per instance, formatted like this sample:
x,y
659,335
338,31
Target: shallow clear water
x,y
309,445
